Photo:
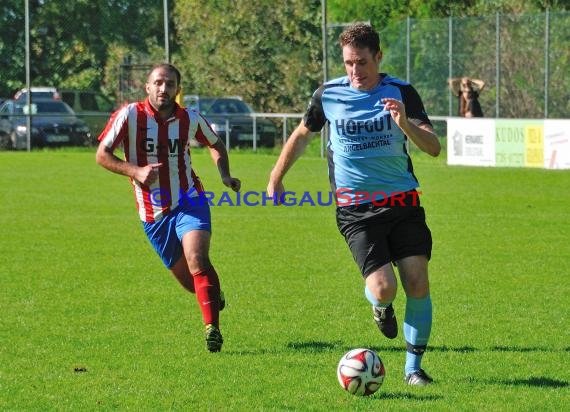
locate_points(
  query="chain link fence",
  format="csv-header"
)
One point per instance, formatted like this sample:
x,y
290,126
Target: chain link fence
x,y
523,59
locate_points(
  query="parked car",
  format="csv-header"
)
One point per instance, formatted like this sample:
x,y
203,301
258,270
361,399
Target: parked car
x,y
53,124
232,111
38,93
93,107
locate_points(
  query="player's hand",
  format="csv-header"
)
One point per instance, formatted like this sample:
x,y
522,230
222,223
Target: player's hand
x,y
148,174
232,182
397,111
275,191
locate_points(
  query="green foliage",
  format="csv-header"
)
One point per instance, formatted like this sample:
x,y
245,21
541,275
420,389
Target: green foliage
x,y
505,6
12,60
91,320
520,54
267,53
271,52
69,40
558,66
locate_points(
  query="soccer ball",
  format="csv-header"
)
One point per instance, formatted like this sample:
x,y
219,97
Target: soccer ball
x,y
360,372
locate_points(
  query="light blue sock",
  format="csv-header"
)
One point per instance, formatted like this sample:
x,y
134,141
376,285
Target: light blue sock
x,y
372,299
417,328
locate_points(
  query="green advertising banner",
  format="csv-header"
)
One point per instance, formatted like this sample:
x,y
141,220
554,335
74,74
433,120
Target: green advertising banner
x,y
509,143
519,143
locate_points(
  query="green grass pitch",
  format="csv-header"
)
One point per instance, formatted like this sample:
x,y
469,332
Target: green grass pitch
x,y
91,320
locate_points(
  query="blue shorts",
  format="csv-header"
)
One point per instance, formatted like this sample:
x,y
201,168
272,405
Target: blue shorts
x,y
166,234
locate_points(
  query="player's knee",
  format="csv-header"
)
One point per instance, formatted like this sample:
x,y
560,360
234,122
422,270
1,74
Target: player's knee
x,y
416,286
384,291
197,262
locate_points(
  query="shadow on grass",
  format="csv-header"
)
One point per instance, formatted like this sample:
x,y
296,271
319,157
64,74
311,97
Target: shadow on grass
x,y
306,347
533,381
399,348
538,381
401,396
318,346
321,346
471,349
314,346
524,350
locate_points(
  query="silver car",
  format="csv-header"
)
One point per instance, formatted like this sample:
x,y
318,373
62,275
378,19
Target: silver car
x,y
53,124
231,116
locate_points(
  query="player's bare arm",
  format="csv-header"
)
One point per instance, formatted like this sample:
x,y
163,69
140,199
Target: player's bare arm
x,y
479,83
423,135
219,155
292,150
454,84
145,175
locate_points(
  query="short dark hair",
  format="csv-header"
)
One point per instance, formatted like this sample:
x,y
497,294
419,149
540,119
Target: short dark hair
x,y
360,36
169,67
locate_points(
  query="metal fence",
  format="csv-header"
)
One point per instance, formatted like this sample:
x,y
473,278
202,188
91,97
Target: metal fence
x,y
523,59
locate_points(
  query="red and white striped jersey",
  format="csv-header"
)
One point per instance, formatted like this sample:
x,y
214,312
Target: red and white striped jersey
x,y
146,139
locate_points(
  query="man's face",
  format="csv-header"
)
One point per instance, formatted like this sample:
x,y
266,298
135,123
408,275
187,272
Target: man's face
x,y
361,67
162,88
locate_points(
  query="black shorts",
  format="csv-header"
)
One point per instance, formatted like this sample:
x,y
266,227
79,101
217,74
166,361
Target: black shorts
x,y
378,235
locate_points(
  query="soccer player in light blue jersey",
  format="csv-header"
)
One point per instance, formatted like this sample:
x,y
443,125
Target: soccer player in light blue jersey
x,y
372,116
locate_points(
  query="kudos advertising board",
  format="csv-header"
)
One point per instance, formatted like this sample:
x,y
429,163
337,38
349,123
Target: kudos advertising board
x,y
509,143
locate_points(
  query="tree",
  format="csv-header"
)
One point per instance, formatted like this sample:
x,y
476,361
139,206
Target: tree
x,y
271,52
69,40
521,59
12,60
265,51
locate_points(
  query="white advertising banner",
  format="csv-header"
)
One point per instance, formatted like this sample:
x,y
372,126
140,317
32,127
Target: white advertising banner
x,y
557,144
509,142
471,142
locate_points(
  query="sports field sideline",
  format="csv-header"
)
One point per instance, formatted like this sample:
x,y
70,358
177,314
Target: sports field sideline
x,y
92,321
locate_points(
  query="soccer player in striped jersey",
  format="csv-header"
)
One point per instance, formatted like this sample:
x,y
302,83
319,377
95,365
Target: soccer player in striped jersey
x,y
371,116
154,136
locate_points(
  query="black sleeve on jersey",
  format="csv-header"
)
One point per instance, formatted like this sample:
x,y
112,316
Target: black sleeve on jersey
x,y
415,110
314,118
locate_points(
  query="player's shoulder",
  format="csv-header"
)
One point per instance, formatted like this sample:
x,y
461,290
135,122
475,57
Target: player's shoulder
x,y
338,82
395,81
189,110
192,113
126,110
406,89
130,106
129,109
333,86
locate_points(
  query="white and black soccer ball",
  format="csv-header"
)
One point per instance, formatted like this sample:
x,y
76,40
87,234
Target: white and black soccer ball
x,y
360,372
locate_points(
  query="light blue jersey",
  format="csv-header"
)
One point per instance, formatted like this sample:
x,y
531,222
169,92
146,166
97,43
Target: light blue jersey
x,y
366,149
